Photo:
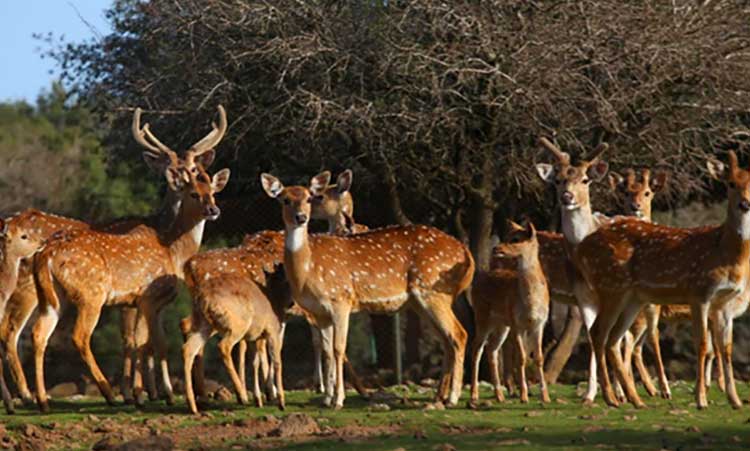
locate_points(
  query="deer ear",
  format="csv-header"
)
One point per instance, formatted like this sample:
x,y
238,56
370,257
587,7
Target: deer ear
x,y
319,183
3,228
271,185
206,159
598,170
659,183
344,181
175,178
156,162
531,229
546,171
515,227
615,180
716,169
220,180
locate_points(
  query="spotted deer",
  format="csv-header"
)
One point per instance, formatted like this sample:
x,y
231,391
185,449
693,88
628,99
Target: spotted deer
x,y
378,271
511,302
93,269
635,198
239,294
572,181
629,263
38,226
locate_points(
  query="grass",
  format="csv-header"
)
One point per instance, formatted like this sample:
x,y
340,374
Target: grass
x,y
563,424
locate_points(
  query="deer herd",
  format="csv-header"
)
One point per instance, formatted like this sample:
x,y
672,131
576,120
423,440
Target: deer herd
x,y
624,273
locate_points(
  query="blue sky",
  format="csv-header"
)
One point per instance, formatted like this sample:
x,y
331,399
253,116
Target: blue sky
x,y
23,73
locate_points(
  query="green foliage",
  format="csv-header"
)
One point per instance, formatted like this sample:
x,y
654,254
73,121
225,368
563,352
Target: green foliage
x,y
54,160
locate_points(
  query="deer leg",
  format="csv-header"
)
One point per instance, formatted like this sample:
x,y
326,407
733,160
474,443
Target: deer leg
x,y
43,328
257,373
20,307
624,321
599,334
242,351
619,392
653,335
440,311
700,331
723,326
326,335
509,360
128,318
88,317
194,344
317,343
714,345
274,348
226,344
521,366
340,333
539,360
159,341
494,348
7,398
477,347
268,372
588,307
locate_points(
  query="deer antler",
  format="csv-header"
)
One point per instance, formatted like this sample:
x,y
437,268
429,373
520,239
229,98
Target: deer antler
x,y
144,137
734,164
213,137
629,177
646,176
598,151
562,157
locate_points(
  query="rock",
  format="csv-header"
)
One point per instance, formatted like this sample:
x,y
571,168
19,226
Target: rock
x,y
629,417
444,447
64,390
91,390
428,382
105,426
380,407
434,406
223,394
31,431
296,424
534,413
152,443
692,429
212,385
30,445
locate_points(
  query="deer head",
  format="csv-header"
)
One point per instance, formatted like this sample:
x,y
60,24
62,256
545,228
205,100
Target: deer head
x,y
18,243
296,201
737,181
520,242
335,204
572,180
636,197
186,176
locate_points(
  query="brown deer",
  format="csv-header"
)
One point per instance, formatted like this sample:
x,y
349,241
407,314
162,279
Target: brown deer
x,y
377,271
16,246
511,301
630,263
93,269
239,294
572,181
38,226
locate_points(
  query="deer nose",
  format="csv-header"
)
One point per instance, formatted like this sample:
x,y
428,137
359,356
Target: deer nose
x,y
567,197
301,218
745,205
212,211
635,206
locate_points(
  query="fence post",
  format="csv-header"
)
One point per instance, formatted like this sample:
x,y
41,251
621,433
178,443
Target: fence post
x,y
397,347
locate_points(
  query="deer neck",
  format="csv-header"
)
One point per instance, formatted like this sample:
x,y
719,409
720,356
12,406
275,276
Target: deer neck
x,y
297,258
183,232
736,235
337,225
577,224
530,275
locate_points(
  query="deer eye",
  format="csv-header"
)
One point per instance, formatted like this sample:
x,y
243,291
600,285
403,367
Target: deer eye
x,y
586,180
647,193
24,237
